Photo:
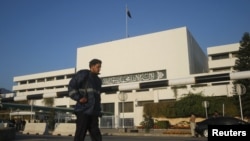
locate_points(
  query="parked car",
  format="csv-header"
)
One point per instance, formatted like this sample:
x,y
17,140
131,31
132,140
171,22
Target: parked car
x,y
7,123
201,128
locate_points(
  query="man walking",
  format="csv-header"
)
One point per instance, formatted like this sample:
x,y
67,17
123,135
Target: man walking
x,y
85,88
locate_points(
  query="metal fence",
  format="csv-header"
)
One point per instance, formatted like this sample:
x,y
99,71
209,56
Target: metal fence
x,y
109,122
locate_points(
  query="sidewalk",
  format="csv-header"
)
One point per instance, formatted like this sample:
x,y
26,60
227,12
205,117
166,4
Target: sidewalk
x,y
152,132
138,132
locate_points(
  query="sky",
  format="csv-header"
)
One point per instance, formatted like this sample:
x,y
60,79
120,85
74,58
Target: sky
x,y
43,35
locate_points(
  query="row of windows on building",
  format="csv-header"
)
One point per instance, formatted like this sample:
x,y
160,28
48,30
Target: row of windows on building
x,y
141,90
61,77
126,107
43,88
214,57
224,56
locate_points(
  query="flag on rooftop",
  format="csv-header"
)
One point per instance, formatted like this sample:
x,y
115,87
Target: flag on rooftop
x,y
128,13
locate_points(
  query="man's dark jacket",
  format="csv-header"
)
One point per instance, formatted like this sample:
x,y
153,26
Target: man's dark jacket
x,y
86,84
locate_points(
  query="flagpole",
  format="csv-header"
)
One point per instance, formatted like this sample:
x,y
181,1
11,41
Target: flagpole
x,y
126,10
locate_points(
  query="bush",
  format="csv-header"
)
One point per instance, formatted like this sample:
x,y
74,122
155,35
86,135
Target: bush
x,y
162,125
181,125
148,123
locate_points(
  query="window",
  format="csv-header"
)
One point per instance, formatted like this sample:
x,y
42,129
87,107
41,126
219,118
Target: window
x,y
235,55
198,85
220,56
179,87
70,76
29,90
108,107
128,107
40,89
142,103
49,88
222,83
23,82
128,122
50,79
60,77
32,81
40,80
58,87
142,90
221,69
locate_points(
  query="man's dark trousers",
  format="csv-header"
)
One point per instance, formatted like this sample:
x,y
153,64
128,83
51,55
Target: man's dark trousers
x,y
86,123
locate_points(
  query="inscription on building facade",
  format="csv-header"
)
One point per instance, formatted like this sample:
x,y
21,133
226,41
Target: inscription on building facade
x,y
135,77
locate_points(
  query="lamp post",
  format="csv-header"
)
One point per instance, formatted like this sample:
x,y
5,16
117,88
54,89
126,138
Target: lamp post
x,y
18,110
240,90
205,104
18,123
31,109
123,97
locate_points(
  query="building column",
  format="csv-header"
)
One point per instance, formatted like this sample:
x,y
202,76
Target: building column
x,y
155,94
117,114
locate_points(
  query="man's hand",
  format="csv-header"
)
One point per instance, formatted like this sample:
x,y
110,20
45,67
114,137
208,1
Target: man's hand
x,y
83,100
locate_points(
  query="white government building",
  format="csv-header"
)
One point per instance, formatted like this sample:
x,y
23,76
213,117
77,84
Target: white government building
x,y
164,55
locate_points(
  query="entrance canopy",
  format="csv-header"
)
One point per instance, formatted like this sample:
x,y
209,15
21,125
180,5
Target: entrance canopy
x,y
40,108
35,107
22,113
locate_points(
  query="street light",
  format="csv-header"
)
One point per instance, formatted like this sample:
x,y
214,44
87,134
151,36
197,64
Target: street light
x,y
31,109
240,90
18,110
205,104
123,97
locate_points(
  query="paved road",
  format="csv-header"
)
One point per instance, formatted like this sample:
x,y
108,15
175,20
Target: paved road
x,y
24,137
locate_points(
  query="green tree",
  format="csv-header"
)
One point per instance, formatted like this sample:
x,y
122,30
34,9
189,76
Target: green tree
x,y
223,105
191,103
242,63
161,109
148,123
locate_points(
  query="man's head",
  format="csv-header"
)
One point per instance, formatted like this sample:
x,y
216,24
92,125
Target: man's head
x,y
95,66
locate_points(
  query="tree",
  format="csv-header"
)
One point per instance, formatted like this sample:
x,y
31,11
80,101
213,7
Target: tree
x,y
148,123
242,63
191,103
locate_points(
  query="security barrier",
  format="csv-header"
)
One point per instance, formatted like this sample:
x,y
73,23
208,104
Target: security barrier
x,y
36,128
64,129
3,125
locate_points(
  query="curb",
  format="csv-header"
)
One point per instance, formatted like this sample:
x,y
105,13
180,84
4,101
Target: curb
x,y
130,134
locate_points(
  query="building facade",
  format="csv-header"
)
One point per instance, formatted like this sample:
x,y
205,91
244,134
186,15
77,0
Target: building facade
x,y
170,54
222,58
